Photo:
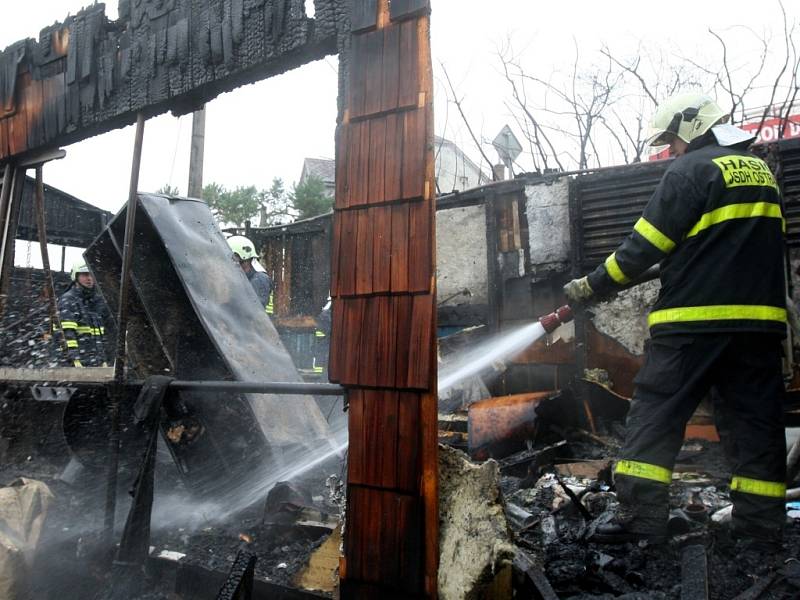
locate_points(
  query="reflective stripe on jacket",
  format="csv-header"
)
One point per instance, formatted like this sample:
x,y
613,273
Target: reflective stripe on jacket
x,y
715,224
83,316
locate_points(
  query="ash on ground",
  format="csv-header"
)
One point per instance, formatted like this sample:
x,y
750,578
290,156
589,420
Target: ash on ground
x,y
550,528
72,563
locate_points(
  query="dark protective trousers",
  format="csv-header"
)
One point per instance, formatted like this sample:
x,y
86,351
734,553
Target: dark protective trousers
x,y
745,372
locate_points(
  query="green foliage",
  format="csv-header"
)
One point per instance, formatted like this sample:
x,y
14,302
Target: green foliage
x,y
168,190
309,198
276,205
234,206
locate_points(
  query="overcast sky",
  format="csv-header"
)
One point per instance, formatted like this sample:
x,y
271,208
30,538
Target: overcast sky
x,y
265,130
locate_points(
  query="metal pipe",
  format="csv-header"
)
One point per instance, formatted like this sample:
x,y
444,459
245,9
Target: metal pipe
x,y
41,230
118,387
257,387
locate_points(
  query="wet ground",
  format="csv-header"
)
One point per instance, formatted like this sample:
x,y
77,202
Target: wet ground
x,y
72,562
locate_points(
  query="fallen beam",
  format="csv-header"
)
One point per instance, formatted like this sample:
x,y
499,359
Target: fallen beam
x,y
528,455
694,573
193,581
759,587
239,584
534,575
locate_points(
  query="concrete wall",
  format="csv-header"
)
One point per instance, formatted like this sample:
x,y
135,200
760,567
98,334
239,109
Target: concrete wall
x,y
461,255
547,208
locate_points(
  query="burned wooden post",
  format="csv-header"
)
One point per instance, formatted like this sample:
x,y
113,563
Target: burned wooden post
x,y
9,220
383,346
118,391
239,583
41,232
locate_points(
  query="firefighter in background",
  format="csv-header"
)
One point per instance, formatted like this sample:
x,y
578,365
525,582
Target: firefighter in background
x,y
322,336
83,314
715,224
245,251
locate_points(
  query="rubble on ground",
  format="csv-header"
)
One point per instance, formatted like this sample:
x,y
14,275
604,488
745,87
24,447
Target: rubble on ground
x,y
553,506
474,540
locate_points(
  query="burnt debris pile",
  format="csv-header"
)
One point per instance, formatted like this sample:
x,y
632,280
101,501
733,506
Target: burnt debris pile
x,y
556,483
292,535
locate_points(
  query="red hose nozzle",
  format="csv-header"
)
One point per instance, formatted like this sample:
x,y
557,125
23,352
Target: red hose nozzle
x,y
558,317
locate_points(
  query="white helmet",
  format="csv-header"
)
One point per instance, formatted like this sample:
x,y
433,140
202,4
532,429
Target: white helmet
x,y
687,116
243,247
79,266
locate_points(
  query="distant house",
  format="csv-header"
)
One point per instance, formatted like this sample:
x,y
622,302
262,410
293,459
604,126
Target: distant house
x,y
324,169
455,172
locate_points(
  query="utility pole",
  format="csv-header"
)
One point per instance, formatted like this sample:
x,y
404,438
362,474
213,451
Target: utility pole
x,y
195,189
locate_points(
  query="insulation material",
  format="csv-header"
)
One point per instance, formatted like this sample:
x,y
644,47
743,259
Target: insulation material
x,y
474,539
624,318
23,508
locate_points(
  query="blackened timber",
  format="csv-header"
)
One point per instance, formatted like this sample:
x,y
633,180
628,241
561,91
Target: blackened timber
x,y
535,576
157,57
694,573
41,230
117,394
9,221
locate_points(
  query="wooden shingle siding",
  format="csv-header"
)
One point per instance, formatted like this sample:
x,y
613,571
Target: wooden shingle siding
x,y
383,342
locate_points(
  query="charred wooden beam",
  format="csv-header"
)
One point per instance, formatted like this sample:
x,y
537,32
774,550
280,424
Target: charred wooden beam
x,y
536,582
88,74
694,573
239,584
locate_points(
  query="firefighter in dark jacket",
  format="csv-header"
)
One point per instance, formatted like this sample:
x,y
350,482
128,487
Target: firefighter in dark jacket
x,y
244,251
83,315
716,226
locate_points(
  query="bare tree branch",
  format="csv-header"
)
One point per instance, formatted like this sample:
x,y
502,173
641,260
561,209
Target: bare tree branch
x,y
457,102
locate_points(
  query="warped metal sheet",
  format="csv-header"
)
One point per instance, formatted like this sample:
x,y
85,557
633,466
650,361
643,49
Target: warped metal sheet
x,y
195,316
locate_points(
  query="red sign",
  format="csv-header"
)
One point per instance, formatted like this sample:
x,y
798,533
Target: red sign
x,y
770,132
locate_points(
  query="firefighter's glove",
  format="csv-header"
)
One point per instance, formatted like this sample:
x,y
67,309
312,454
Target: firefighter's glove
x,y
578,290
76,363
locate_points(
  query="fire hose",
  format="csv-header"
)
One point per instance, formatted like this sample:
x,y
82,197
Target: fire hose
x,y
564,314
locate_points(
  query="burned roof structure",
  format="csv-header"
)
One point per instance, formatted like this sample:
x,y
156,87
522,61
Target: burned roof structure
x,y
70,221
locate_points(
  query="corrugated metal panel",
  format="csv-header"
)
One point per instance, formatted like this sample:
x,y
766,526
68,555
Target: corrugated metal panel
x,y
609,203
789,178
70,221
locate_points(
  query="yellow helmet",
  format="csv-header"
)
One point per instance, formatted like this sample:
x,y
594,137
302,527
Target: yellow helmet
x,y
243,247
79,266
687,116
